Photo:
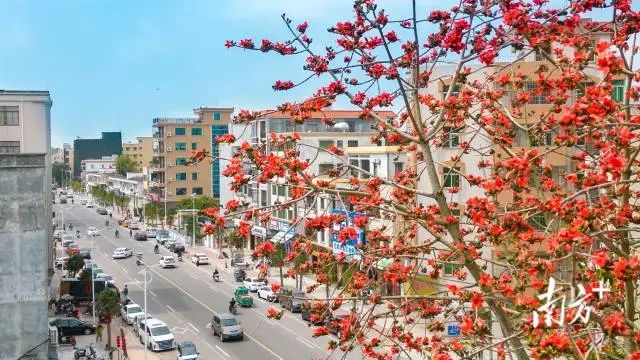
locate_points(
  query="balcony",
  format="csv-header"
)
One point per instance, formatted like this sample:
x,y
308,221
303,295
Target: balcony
x,y
157,121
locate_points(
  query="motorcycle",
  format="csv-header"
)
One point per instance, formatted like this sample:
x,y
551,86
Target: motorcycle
x,y
233,309
156,250
73,313
180,257
85,353
216,277
139,259
78,234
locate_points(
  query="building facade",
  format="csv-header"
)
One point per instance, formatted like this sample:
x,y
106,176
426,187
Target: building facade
x,y
140,151
109,144
104,165
172,178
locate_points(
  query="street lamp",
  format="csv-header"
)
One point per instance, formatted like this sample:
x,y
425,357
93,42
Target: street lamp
x,y
193,214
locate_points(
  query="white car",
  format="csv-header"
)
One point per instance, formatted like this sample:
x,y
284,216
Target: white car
x,y
200,259
92,231
107,278
265,292
253,284
167,261
138,319
156,334
58,234
90,204
129,312
122,253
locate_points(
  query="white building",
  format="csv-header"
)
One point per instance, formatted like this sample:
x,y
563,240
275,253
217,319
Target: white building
x,y
105,165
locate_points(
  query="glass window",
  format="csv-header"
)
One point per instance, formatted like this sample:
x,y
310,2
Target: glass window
x,y
181,161
180,131
274,189
181,176
196,131
197,190
398,166
451,177
352,143
541,52
181,191
539,99
181,146
339,144
9,147
194,176
217,116
324,144
538,221
582,87
324,168
282,190
194,146
445,90
452,137
618,90
9,116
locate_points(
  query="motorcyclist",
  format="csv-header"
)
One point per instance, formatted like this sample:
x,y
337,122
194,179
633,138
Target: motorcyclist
x,y
216,274
70,226
106,223
232,305
125,292
156,249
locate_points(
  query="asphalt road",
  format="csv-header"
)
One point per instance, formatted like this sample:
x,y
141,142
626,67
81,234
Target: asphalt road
x,y
185,298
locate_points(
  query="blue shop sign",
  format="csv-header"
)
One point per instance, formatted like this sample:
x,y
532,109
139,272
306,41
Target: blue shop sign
x,y
453,330
350,247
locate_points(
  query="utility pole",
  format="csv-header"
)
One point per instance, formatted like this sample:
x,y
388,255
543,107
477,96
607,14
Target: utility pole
x,y
193,215
93,279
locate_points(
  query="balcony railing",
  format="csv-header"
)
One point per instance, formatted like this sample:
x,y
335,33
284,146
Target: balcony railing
x,y
176,121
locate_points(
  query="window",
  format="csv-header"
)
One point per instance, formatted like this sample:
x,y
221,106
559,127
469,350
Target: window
x,y
181,191
452,137
196,131
274,189
282,190
181,146
9,147
361,163
9,116
445,90
538,221
324,168
618,90
536,97
181,161
582,88
339,144
194,176
196,190
324,144
398,166
194,146
182,176
352,143
451,177
541,52
180,131
217,116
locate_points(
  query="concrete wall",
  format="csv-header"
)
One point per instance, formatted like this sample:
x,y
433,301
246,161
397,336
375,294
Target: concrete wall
x,y
25,220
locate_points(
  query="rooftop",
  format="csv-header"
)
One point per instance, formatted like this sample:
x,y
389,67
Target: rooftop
x,y
330,113
167,120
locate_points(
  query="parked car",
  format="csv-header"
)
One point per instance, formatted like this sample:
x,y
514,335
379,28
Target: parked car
x,y
90,204
157,334
92,231
129,312
107,278
57,234
140,236
253,284
151,233
267,293
200,259
85,253
72,248
83,202
134,226
102,211
62,261
63,200
305,313
226,326
122,253
139,319
187,351
73,326
292,299
167,261
239,274
88,264
67,242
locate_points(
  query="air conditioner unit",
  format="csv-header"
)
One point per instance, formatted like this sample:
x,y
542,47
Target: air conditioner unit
x,y
168,134
168,148
170,179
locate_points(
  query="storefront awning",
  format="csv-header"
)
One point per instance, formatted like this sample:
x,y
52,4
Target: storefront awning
x,y
382,264
282,236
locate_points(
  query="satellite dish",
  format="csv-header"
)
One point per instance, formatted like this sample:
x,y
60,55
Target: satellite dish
x,y
341,126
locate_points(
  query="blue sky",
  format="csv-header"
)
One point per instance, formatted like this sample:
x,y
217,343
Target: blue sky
x,y
116,64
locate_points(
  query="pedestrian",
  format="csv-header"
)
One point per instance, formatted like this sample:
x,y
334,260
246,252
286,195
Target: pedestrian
x,y
130,233
99,332
64,227
125,292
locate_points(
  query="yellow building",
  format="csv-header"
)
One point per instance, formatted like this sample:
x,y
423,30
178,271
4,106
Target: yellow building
x,y
175,139
140,151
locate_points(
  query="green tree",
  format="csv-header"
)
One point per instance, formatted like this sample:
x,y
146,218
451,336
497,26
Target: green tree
x,y
76,263
58,173
107,306
85,274
76,185
125,164
277,259
152,211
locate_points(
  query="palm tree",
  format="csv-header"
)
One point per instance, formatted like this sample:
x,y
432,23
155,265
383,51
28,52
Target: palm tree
x,y
107,306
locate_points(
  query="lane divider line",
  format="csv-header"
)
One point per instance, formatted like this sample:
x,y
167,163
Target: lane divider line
x,y
170,308
193,327
222,351
152,293
304,342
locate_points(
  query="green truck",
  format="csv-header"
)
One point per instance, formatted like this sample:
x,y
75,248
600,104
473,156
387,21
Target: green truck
x,y
81,289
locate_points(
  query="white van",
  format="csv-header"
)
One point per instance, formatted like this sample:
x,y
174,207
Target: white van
x,y
159,337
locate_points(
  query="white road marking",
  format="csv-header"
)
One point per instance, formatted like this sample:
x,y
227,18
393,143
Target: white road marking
x,y
152,293
125,270
304,341
193,327
222,351
170,308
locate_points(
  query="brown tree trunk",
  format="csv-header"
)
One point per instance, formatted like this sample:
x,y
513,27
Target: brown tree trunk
x,y
109,337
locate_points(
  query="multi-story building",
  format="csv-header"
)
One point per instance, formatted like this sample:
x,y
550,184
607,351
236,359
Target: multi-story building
x,y
63,155
104,165
140,151
350,133
174,141
109,144
26,231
